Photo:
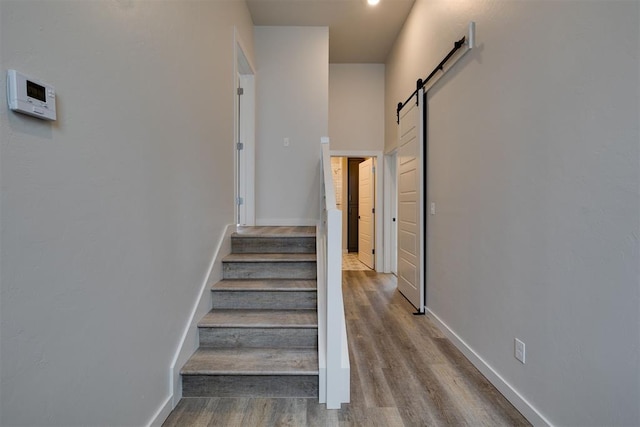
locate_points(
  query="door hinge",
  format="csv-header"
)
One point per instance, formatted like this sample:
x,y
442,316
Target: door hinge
x,y
240,91
239,201
239,146
373,169
373,251
373,210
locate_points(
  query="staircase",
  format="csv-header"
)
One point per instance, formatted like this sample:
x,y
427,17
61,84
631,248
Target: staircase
x,y
261,337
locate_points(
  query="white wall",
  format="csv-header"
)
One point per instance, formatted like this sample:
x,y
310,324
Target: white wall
x,y
533,164
356,106
356,114
292,79
110,216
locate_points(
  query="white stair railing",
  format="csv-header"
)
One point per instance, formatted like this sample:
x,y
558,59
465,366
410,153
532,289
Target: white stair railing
x,y
333,350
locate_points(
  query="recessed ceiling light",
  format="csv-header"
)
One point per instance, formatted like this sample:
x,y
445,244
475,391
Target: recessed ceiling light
x,y
373,2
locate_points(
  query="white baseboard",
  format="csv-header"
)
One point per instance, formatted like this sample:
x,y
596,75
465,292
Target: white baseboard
x,y
189,341
162,413
527,409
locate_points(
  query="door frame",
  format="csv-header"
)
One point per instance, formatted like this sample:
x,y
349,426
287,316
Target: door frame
x,y
391,211
378,224
244,131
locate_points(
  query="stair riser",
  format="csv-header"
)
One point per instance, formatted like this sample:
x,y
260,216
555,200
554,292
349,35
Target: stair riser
x,y
250,386
259,337
269,270
282,300
272,245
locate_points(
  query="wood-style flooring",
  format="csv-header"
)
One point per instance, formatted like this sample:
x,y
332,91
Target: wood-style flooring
x,y
404,372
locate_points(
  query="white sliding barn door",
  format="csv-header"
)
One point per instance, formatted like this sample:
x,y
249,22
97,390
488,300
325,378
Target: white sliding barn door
x,y
365,213
410,205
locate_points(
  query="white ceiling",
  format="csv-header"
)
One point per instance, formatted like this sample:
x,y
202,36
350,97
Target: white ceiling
x,y
358,33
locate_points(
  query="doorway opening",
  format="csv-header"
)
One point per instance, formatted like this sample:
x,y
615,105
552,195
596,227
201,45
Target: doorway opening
x,y
358,197
352,206
244,136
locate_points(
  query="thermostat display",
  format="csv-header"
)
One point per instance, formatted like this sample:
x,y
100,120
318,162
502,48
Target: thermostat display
x,y
34,90
30,96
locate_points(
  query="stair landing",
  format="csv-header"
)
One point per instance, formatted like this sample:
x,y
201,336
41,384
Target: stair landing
x,y
276,231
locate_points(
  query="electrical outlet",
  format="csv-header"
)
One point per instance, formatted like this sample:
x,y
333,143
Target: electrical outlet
x,y
519,350
433,208
286,142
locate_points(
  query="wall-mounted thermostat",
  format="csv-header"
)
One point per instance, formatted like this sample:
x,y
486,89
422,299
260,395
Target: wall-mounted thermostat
x,y
30,96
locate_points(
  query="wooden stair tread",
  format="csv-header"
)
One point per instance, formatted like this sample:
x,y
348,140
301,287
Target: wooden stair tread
x,y
275,231
294,257
252,361
252,318
261,337
271,285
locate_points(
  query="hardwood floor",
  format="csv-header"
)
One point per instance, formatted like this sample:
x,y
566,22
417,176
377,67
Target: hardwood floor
x,y
404,372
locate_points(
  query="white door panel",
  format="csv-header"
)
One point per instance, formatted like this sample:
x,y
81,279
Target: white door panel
x,y
410,203
365,212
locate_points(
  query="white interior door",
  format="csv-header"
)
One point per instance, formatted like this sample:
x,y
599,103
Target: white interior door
x,y
365,214
410,203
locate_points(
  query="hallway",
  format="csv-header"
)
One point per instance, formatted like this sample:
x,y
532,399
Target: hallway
x,y
404,372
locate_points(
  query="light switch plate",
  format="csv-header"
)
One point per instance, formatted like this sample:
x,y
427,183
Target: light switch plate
x,y
519,350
